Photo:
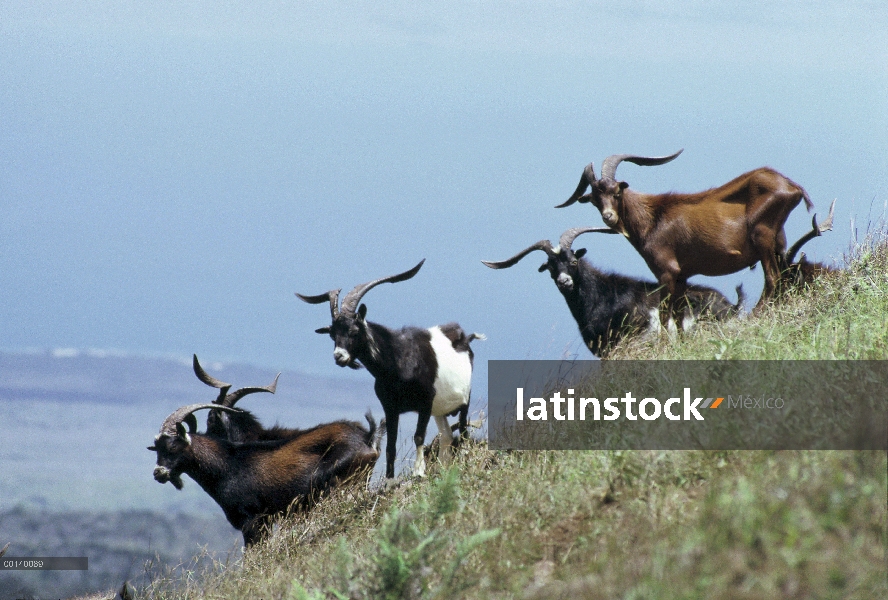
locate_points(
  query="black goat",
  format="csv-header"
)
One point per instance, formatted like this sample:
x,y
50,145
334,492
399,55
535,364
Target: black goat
x,y
252,481
242,425
428,371
797,275
608,307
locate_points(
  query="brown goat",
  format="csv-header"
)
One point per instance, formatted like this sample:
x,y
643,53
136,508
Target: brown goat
x,y
716,232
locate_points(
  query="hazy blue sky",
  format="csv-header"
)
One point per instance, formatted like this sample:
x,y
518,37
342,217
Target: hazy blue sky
x,y
170,175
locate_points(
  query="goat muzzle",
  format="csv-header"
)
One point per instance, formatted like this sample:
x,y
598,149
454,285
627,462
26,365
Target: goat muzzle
x,y
164,475
161,474
342,357
610,218
564,282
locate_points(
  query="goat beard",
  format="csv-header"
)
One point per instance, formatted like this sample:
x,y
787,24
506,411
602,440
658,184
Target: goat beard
x,y
176,480
355,364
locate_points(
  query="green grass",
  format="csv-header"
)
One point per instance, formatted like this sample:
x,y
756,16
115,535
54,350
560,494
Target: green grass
x,y
613,524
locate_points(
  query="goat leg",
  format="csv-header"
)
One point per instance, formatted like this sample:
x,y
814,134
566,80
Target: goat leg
x,y
391,442
422,423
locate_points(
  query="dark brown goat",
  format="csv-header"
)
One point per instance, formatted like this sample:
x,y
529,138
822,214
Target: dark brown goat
x,y
240,426
716,232
253,481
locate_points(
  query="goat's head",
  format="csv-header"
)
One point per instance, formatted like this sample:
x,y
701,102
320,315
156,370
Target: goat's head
x,y
607,192
349,326
174,440
217,420
562,261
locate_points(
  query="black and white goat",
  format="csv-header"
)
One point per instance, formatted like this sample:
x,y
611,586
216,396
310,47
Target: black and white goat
x,y
252,481
606,306
427,371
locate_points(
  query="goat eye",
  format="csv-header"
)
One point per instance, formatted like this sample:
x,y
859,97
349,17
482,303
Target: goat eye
x,y
573,262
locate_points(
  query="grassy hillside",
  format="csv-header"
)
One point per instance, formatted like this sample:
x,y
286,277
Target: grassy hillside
x,y
642,524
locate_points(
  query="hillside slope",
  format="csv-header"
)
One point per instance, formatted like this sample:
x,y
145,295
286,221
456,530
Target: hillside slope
x,y
642,524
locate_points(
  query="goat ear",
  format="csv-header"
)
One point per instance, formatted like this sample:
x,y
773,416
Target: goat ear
x,y
183,433
323,330
152,448
580,253
191,421
623,185
543,267
362,311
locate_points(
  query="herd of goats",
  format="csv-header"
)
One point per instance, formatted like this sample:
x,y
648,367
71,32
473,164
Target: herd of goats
x,y
255,473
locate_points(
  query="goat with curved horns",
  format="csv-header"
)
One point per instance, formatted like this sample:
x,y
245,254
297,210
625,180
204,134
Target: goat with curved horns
x,y
716,232
608,307
240,426
252,481
796,275
427,371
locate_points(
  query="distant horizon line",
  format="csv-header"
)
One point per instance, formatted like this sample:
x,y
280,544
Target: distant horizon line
x,y
72,352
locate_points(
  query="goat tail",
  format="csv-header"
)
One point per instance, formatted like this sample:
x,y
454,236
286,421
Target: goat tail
x,y
808,204
741,298
475,336
374,435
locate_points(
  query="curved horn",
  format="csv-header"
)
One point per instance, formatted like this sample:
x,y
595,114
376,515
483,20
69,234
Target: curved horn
x,y
568,237
332,297
586,179
226,399
353,298
816,231
206,377
233,397
610,164
826,225
544,245
180,414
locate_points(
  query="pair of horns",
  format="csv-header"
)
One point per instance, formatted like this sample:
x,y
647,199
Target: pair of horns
x,y
226,399
609,171
564,243
353,298
224,402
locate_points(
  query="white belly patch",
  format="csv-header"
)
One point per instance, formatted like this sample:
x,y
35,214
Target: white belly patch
x,y
454,379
